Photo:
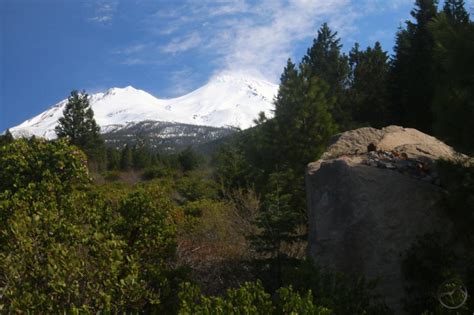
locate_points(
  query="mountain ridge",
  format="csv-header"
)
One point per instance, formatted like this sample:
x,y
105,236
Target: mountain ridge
x,y
226,101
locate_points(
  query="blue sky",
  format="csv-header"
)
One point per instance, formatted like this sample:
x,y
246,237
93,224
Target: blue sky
x,y
165,47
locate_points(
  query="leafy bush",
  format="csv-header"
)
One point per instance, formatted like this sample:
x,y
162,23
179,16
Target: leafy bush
x,y
341,293
155,172
64,248
37,162
192,187
189,159
250,298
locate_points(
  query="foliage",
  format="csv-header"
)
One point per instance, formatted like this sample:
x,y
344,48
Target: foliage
x,y
189,159
6,138
79,126
141,156
412,76
456,12
66,249
277,223
303,121
193,187
342,293
325,61
40,163
126,160
113,159
453,104
153,172
250,298
367,96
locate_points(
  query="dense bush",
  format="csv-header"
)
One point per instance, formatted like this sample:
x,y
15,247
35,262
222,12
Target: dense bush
x,y
153,172
35,162
194,187
250,298
189,159
64,248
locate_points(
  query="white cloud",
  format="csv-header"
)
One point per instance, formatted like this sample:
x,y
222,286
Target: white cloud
x,y
182,44
265,36
183,80
104,11
254,36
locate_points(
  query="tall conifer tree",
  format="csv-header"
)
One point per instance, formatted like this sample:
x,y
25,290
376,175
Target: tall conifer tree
x,y
325,61
79,126
453,104
412,68
456,12
368,93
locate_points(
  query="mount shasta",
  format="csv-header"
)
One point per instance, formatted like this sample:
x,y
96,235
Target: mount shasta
x,y
226,103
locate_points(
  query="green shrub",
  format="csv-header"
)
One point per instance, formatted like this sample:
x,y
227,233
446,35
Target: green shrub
x,y
111,176
193,187
37,162
66,249
341,293
189,159
250,298
155,172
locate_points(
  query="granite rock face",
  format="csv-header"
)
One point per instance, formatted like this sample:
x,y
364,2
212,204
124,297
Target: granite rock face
x,y
369,196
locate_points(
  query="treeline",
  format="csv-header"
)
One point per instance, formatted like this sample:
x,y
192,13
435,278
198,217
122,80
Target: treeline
x,y
427,84
141,157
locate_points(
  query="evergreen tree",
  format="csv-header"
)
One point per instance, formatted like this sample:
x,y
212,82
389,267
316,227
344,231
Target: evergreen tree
x,y
79,126
126,161
189,159
303,117
325,60
277,222
368,93
113,159
7,138
141,156
412,77
456,12
453,104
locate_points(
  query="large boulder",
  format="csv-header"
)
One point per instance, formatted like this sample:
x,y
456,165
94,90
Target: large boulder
x,y
369,197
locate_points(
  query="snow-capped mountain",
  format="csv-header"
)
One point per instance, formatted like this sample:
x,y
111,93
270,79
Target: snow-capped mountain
x,y
228,100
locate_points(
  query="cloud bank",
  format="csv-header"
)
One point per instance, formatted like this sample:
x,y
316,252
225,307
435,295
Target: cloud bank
x,y
248,36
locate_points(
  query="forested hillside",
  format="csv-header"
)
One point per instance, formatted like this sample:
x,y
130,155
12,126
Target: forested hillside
x,y
86,228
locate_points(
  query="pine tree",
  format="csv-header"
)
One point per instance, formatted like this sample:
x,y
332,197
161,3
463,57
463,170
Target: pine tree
x,y
303,117
412,78
79,126
453,104
277,222
126,159
456,12
368,93
7,138
325,61
113,159
189,159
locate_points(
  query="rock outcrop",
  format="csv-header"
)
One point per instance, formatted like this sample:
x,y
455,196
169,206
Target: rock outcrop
x,y
369,196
